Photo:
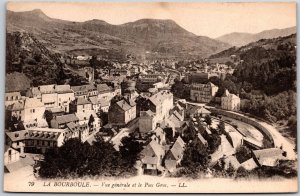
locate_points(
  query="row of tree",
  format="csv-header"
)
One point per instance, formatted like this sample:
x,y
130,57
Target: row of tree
x,y
77,159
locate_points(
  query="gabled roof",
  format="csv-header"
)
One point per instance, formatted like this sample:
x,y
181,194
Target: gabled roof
x,y
66,118
153,147
13,94
158,98
63,89
123,105
94,100
32,103
102,88
178,148
83,88
86,115
82,101
47,88
150,160
268,152
16,106
174,120
104,102
56,110
202,110
72,126
16,135
35,133
177,114
35,91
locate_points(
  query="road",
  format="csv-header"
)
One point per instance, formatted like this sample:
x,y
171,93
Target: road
x,y
279,140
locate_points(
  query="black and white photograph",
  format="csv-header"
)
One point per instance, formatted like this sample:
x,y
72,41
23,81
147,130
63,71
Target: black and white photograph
x,y
150,97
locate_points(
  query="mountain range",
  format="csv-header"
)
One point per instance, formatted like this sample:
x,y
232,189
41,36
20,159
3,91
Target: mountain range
x,y
144,39
241,39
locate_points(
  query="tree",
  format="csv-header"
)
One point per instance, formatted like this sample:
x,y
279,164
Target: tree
x,y
195,158
230,170
243,153
91,121
208,120
76,159
130,151
221,127
214,141
241,172
48,116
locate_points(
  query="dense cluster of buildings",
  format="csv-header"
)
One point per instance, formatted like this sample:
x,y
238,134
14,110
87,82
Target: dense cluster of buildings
x,y
134,99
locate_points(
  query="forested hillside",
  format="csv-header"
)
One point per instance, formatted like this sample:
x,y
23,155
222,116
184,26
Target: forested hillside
x,y
266,76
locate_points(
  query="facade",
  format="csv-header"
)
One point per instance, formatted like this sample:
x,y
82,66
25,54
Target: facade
x,y
84,118
161,103
33,113
64,97
147,121
119,72
122,112
152,78
198,77
269,156
80,105
12,97
174,155
60,122
152,155
203,93
105,92
230,101
48,96
10,155
96,104
80,91
15,110
36,140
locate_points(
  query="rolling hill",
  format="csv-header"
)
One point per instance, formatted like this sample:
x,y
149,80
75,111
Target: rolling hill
x,y
144,39
267,64
240,39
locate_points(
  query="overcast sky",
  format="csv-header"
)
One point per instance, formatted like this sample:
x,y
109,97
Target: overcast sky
x,y
208,19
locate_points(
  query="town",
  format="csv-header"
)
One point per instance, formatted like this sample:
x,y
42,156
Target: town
x,y
148,103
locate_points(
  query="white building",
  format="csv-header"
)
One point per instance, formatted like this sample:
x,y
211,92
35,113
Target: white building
x,y
64,96
230,101
203,93
161,103
33,113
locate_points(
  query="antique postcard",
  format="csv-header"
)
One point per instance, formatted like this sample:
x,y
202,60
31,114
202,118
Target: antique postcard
x,y
150,97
